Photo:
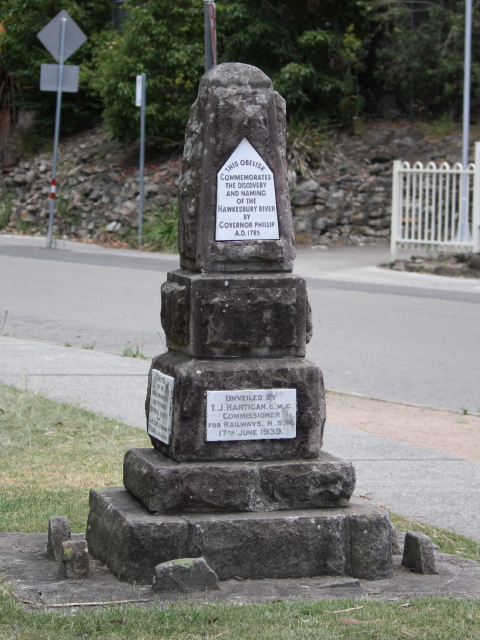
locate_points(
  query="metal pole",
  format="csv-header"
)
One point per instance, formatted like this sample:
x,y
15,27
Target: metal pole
x,y
463,233
142,157
53,185
210,34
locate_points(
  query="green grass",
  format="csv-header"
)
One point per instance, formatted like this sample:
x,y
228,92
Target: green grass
x,y
161,229
429,618
51,454
448,541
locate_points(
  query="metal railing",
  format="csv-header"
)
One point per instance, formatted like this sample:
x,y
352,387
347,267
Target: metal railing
x,y
436,206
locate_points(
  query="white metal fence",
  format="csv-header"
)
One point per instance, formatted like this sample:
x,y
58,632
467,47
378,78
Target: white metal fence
x,y
436,206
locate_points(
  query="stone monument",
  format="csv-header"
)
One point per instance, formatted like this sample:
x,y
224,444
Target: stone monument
x,y
235,412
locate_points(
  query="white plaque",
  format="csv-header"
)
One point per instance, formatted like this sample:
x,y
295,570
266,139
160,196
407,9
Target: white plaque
x,y
246,203
251,414
160,416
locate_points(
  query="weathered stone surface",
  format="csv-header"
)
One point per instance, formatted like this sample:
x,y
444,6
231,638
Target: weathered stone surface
x,y
124,535
418,553
58,532
163,485
238,315
193,377
292,544
371,544
185,575
287,544
235,101
75,563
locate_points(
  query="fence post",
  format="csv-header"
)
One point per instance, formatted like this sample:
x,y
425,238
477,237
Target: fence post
x,y
396,206
476,201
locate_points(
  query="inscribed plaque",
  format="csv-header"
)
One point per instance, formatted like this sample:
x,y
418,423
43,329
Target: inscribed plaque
x,y
251,414
161,407
246,203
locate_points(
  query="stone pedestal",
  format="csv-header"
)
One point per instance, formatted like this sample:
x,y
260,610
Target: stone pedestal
x,y
234,411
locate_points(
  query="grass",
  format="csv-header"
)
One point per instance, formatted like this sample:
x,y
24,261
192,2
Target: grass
x,y
130,352
161,230
6,207
441,127
440,619
53,453
448,541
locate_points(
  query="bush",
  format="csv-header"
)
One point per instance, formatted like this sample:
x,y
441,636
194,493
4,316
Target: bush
x,y
163,39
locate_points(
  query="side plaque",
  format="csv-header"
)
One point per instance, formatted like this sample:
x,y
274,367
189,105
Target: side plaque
x,y
160,416
251,414
246,203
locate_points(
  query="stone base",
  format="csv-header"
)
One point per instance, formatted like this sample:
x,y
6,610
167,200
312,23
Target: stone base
x,y
193,377
353,540
164,486
239,315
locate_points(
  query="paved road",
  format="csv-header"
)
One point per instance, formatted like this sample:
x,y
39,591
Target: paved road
x,y
404,337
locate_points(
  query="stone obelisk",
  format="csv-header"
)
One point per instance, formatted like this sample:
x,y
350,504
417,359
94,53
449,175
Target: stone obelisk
x,y
235,412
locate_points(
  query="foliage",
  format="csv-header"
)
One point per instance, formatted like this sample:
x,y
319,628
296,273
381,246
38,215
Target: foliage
x,y
23,53
6,198
310,49
307,142
163,39
161,229
420,61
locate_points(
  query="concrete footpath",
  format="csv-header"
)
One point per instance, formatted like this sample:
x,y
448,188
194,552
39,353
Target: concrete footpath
x,y
415,481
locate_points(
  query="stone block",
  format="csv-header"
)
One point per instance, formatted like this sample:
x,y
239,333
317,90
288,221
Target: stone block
x,y
194,377
205,315
371,544
418,553
75,563
164,485
285,544
185,575
58,532
290,544
235,101
123,534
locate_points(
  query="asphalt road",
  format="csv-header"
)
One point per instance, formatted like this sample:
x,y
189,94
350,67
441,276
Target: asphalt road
x,y
398,337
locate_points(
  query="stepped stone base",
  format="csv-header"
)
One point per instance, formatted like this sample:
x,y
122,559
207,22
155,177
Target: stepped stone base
x,y
353,540
164,485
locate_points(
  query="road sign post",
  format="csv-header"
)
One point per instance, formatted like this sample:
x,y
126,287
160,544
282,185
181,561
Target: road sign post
x,y
61,37
210,33
140,100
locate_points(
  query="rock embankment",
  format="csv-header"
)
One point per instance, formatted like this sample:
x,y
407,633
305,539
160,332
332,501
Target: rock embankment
x,y
460,265
344,198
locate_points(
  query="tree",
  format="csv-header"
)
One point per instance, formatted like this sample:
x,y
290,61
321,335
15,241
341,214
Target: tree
x,y
308,47
420,60
164,40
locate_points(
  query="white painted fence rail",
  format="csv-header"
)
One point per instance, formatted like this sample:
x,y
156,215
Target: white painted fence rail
x,y
427,205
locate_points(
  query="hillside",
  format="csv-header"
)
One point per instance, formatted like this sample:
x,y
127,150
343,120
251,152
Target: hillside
x,y
342,196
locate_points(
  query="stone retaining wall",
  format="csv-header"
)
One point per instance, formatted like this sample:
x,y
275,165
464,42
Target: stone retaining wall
x,y
345,198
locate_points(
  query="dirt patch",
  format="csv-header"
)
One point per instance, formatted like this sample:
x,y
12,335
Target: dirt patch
x,y
442,431
458,265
